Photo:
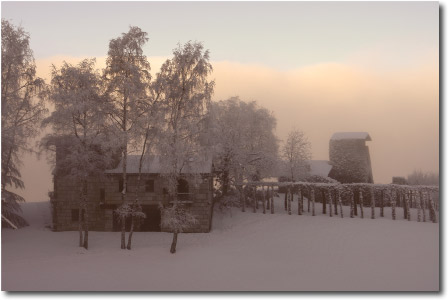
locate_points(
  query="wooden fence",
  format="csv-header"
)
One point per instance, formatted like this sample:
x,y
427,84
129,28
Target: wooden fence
x,y
359,196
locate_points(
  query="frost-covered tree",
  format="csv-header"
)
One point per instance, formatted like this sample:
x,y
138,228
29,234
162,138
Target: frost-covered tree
x,y
127,81
143,138
185,93
22,109
418,177
244,141
78,130
296,152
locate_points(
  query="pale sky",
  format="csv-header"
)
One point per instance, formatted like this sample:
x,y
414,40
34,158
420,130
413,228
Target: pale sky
x,y
321,67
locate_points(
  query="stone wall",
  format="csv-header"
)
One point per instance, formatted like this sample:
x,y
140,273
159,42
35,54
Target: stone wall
x,y
351,161
100,209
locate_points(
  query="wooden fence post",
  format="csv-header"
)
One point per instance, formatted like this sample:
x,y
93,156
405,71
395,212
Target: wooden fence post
x,y
264,199
272,200
324,202
419,207
361,204
313,200
352,204
255,196
309,198
372,204
290,195
340,203
382,204
330,201
268,198
299,201
408,205
393,199
255,200
423,203
355,202
403,203
335,202
432,209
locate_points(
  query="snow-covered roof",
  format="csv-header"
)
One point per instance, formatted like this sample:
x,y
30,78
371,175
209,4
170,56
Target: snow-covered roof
x,y
152,165
320,167
351,136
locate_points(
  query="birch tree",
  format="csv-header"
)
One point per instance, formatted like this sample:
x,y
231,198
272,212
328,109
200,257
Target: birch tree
x,y
185,95
296,152
245,144
78,130
127,80
22,110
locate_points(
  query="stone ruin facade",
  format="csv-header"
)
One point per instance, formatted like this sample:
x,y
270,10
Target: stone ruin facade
x,y
104,196
350,157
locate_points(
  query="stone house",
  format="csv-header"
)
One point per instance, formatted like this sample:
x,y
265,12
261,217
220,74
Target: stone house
x,y
195,191
350,157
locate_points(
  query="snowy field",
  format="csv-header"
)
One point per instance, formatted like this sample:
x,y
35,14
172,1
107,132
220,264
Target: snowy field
x,y
244,252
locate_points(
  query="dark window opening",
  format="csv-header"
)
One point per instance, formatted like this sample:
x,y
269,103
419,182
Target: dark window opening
x,y
183,189
75,215
149,186
152,220
120,185
102,195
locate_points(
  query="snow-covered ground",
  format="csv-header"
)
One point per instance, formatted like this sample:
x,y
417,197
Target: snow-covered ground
x,y
243,252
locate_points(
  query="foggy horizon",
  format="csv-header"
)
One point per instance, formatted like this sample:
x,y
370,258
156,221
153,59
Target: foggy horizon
x,y
370,67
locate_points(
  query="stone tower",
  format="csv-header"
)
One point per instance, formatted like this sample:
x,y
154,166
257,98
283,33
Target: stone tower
x,y
350,158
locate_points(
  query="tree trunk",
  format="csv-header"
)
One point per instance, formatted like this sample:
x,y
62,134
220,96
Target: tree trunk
x,y
174,243
80,226
372,204
243,209
130,234
355,202
86,229
286,200
272,200
382,204
313,200
86,216
361,204
299,202
123,232
255,200
243,199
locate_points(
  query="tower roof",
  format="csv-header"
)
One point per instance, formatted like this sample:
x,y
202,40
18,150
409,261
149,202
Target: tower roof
x,y
351,136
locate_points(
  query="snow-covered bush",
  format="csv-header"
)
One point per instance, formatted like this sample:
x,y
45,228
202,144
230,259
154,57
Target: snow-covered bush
x,y
177,218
